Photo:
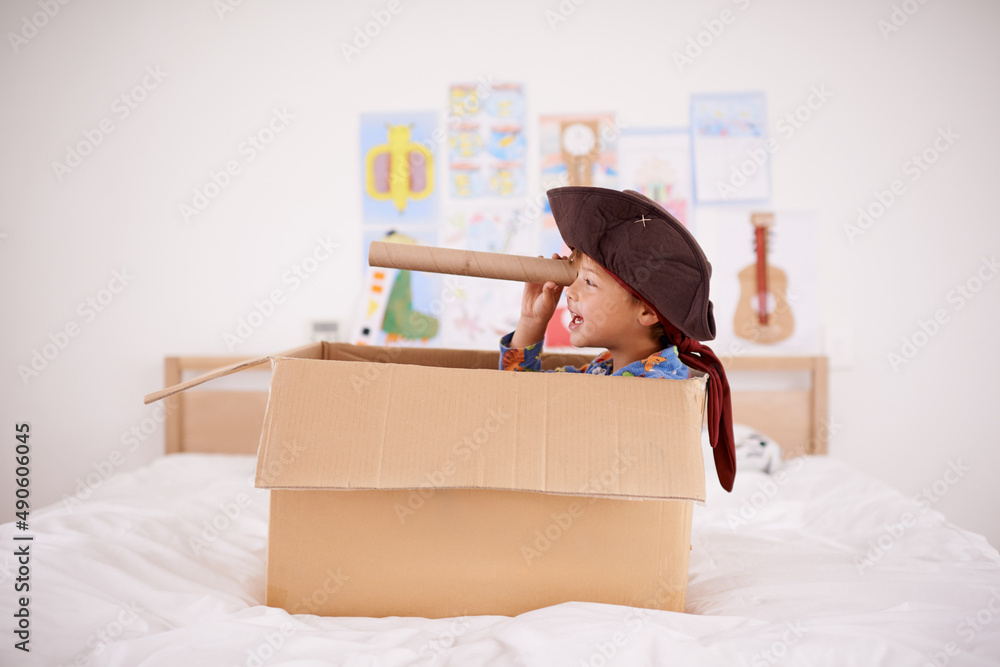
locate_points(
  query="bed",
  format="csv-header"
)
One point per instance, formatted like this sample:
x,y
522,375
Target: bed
x,y
813,563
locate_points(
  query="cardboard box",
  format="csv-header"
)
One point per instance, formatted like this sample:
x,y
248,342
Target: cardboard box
x,y
425,482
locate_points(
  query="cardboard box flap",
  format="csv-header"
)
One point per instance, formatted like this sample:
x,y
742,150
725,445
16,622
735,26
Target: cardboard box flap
x,y
310,351
358,425
205,377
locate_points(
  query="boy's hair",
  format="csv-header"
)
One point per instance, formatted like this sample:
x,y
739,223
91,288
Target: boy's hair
x,y
656,331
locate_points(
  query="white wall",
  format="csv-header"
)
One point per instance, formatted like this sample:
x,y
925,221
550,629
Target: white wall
x,y
63,240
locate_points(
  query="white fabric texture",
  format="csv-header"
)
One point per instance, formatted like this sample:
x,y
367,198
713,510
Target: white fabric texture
x,y
815,564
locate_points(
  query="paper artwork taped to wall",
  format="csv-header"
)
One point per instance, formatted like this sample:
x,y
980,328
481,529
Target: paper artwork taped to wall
x,y
578,149
657,164
397,168
486,140
730,145
477,311
398,307
764,281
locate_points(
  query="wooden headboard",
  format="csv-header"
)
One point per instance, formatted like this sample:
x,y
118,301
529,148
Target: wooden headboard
x,y
790,403
783,397
213,418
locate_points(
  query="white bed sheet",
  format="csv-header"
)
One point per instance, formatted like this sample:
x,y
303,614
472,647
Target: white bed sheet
x,y
777,576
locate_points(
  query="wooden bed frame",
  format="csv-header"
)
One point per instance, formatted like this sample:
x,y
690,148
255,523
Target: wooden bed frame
x,y
208,419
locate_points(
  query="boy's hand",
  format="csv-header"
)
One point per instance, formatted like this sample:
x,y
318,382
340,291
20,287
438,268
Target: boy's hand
x,y
538,304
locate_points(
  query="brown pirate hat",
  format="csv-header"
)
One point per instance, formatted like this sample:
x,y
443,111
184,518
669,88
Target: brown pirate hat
x,y
640,242
653,256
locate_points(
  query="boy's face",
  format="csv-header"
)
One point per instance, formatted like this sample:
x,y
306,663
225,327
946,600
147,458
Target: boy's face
x,y
603,314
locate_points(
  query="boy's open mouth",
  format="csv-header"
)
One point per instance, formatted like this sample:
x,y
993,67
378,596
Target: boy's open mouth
x,y
575,321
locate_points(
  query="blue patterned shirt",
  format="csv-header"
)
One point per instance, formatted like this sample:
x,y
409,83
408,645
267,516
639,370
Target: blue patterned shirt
x,y
663,364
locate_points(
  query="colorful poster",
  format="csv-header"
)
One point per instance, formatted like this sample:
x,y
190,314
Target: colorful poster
x,y
398,307
578,149
730,146
490,229
486,141
487,175
477,311
764,282
657,164
397,168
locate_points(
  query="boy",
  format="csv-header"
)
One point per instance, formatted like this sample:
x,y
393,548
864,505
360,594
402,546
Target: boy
x,y
641,291
603,315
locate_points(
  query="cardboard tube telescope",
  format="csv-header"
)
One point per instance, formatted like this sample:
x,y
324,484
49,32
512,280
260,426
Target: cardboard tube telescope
x,y
496,265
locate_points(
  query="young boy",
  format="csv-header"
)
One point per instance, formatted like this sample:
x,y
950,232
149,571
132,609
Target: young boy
x,y
603,315
641,291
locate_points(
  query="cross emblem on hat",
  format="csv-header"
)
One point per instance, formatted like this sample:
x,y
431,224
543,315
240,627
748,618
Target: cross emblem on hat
x,y
644,220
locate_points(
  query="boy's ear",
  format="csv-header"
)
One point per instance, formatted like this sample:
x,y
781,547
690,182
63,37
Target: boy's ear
x,y
647,317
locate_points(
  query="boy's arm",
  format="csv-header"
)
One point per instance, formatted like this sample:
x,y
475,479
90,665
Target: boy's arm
x,y
538,303
521,349
525,358
528,332
528,358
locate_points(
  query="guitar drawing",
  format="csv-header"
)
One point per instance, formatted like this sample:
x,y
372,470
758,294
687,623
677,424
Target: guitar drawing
x,y
763,314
